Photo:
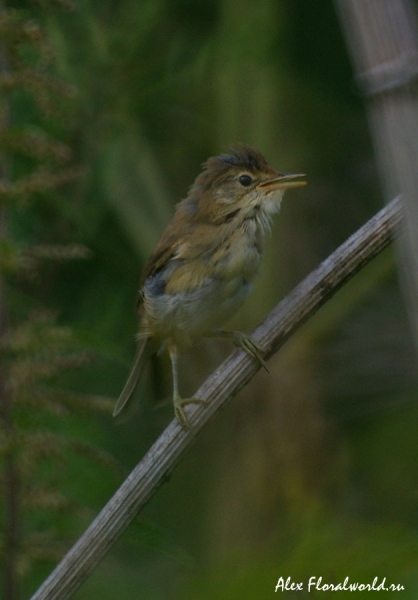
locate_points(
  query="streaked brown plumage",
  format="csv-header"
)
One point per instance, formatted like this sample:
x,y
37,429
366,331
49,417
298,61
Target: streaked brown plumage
x,y
201,269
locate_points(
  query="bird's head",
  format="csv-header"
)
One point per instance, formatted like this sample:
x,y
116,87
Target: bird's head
x,y
240,185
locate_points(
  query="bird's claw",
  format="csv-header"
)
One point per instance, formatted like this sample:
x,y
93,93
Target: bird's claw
x,y
179,412
248,345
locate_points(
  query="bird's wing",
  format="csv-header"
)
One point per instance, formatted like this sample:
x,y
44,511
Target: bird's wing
x,y
168,247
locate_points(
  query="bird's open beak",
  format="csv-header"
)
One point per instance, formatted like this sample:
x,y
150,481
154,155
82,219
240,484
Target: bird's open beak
x,y
283,181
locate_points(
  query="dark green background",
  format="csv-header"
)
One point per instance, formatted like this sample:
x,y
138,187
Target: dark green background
x,y
312,469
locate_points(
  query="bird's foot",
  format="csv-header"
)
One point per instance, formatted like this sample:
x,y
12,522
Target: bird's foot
x,y
179,412
248,345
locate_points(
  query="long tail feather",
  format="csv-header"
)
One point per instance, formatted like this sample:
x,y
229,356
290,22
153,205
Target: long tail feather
x,y
133,378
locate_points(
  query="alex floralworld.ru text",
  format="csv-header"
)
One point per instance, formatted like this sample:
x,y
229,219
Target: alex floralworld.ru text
x,y
316,584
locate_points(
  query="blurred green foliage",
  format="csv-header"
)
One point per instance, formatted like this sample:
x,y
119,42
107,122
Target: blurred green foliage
x,y
311,470
37,508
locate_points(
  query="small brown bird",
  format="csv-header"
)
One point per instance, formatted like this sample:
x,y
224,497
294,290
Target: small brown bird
x,y
201,270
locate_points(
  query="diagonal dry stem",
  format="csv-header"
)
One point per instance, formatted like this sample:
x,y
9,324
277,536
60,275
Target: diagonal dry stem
x,y
223,384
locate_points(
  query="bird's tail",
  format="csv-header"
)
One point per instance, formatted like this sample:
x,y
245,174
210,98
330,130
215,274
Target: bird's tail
x,y
140,359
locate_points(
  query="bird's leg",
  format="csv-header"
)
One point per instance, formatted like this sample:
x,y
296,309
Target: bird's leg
x,y
245,342
178,401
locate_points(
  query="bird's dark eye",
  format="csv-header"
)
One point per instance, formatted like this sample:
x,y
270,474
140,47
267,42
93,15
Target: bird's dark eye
x,y
245,180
